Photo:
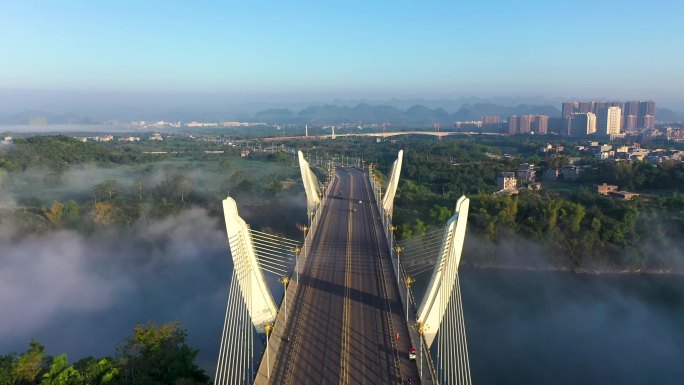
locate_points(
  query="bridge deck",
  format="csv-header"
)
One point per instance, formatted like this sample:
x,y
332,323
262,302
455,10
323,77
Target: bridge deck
x,y
347,310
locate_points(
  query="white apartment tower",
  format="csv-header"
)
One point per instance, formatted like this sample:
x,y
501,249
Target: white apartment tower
x,y
591,123
609,121
614,120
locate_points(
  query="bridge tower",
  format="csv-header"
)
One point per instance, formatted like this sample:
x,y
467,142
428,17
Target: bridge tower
x,y
250,304
441,312
388,199
311,185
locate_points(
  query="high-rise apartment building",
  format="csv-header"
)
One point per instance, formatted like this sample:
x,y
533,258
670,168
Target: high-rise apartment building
x,y
629,123
491,123
634,115
630,108
540,124
630,113
648,121
609,121
555,125
585,107
512,125
647,108
646,118
524,124
583,124
568,108
490,119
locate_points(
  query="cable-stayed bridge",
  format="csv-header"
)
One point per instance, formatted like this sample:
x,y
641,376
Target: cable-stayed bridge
x,y
348,305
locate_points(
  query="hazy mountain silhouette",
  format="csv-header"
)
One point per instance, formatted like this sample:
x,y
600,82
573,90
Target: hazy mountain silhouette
x,y
667,115
414,115
395,112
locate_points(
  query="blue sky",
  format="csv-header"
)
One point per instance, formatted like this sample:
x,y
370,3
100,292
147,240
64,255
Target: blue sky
x,y
360,49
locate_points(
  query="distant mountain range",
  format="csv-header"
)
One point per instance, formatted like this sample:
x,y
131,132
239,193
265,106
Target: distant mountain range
x,y
325,114
414,115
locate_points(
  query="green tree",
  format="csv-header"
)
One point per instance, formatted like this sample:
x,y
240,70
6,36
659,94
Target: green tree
x,y
6,364
54,213
71,213
420,227
440,214
158,355
97,371
29,365
61,373
107,189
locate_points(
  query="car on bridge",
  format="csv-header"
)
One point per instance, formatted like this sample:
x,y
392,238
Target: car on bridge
x,y
412,353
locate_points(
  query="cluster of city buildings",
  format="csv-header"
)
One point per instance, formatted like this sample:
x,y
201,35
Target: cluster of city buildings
x,y
606,118
142,124
109,138
474,123
633,152
526,124
675,134
581,119
223,124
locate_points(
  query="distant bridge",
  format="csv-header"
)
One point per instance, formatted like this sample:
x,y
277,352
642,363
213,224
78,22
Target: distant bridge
x,y
347,313
439,134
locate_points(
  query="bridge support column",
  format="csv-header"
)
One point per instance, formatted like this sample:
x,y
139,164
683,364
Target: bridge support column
x,y
388,199
311,185
250,304
441,311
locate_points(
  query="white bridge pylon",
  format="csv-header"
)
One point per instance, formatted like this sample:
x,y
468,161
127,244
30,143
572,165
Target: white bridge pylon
x,y
262,307
388,199
441,311
311,185
251,309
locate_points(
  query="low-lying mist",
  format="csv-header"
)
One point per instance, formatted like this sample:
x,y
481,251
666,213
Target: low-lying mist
x,y
540,327
83,294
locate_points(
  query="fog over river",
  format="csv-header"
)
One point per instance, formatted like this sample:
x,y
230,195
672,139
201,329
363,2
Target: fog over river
x,y
565,328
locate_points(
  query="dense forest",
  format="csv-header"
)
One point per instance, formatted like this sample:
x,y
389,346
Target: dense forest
x,y
58,152
566,225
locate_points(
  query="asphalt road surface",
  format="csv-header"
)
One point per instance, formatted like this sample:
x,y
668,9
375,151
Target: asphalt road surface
x,y
347,313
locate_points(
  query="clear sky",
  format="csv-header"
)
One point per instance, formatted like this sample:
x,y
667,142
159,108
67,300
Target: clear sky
x,y
352,49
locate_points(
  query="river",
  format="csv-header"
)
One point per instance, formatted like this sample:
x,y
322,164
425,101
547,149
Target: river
x,y
564,328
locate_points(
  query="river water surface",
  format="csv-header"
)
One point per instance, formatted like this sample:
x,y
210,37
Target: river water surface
x,y
565,328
